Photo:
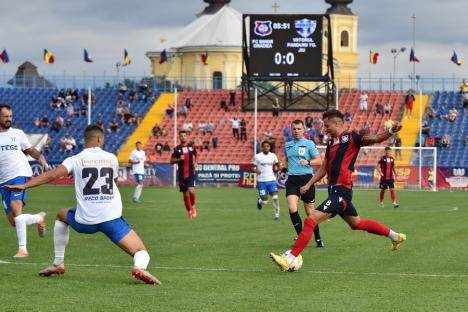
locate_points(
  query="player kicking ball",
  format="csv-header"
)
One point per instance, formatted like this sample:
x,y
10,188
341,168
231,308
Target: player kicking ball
x,y
342,150
98,208
263,165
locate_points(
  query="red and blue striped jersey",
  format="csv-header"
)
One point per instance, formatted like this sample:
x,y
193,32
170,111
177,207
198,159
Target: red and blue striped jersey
x,y
186,167
387,165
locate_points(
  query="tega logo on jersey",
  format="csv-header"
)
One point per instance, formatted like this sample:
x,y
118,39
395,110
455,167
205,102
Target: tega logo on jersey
x,y
263,28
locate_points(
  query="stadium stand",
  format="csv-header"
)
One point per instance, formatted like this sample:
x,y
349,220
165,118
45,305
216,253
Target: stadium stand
x,y
29,103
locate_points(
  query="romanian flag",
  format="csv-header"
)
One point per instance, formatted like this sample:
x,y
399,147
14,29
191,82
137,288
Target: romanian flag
x,y
163,57
204,58
373,57
455,59
86,57
127,60
4,56
412,56
48,57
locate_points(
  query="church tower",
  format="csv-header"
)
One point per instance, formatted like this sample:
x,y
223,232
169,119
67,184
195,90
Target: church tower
x,y
344,28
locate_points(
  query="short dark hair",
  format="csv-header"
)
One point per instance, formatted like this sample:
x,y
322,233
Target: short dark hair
x,y
182,131
388,148
137,142
3,105
297,122
333,113
266,142
92,131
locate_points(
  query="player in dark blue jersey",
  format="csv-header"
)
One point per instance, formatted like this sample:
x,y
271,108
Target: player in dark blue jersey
x,y
342,150
185,156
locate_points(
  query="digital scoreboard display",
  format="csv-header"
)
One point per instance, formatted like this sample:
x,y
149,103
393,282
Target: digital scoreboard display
x,y
285,46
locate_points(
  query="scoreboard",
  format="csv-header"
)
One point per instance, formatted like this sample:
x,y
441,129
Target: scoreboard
x,y
285,46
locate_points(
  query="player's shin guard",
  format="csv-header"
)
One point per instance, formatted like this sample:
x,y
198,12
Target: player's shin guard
x,y
372,227
392,195
187,202
192,198
141,259
20,224
382,195
61,235
296,221
32,219
317,233
305,236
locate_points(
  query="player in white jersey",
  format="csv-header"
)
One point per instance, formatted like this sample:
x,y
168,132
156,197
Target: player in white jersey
x,y
137,159
263,164
98,205
15,169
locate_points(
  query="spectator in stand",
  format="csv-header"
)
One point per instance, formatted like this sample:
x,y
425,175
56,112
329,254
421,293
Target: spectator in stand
x,y
442,113
166,147
198,144
155,131
267,135
100,123
430,112
187,127
308,122
150,96
275,108
58,123
223,105
202,127
446,141
243,130
347,117
425,128
84,99
465,102
70,110
409,101
136,119
68,122
235,127
438,141
170,110
47,147
83,109
37,122
287,134
159,148
74,94
388,124
379,109
430,142
214,142
55,103
132,96
452,115
143,87
113,126
183,110
188,103
210,127
310,134
232,98
163,131
122,88
387,109
363,101
120,110
120,99
206,144
318,124
151,158
463,87
127,117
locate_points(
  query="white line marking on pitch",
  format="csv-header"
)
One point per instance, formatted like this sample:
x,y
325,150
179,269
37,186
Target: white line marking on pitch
x,y
453,208
252,270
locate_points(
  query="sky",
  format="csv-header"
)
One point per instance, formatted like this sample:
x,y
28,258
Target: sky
x,y
107,27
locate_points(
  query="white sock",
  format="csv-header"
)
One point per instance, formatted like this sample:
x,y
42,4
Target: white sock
x,y
276,206
32,219
393,235
290,258
137,192
20,224
61,235
141,259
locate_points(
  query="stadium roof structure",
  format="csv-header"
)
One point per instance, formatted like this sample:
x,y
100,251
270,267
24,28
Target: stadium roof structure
x,y
222,29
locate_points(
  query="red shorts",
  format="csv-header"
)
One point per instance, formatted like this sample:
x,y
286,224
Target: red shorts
x,y
409,105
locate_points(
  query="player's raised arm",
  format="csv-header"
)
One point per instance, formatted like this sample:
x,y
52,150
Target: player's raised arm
x,y
378,138
47,177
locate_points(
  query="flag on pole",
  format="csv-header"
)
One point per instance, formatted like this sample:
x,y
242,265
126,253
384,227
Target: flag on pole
x,y
412,56
4,56
127,60
373,57
163,57
48,57
455,58
204,58
86,57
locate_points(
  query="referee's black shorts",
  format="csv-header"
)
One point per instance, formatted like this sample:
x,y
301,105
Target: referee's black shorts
x,y
294,184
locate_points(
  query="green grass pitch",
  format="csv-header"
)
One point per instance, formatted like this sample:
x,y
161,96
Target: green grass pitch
x,y
219,261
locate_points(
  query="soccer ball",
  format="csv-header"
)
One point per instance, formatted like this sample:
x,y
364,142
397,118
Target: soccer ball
x,y
297,264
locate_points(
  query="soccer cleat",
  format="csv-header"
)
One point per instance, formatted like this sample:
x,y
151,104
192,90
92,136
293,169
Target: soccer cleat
x,y
21,253
280,261
137,201
53,270
145,276
320,243
194,212
381,205
395,205
259,205
277,218
41,226
190,214
396,244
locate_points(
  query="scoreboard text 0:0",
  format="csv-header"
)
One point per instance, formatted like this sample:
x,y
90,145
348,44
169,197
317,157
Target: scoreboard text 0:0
x,y
285,46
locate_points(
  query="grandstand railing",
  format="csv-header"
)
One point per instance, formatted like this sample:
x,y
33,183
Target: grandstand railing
x,y
426,84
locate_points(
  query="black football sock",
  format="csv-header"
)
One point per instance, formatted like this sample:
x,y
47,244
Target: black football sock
x,y
296,221
317,233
